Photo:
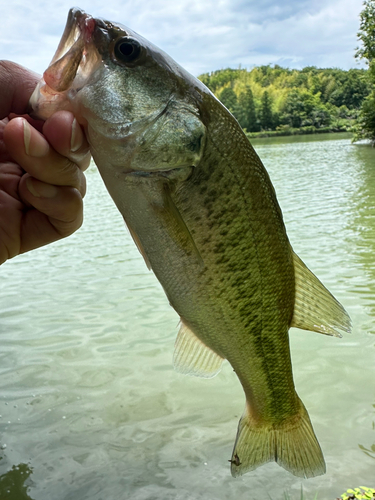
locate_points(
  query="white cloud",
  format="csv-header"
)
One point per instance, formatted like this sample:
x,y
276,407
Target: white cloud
x,y
200,35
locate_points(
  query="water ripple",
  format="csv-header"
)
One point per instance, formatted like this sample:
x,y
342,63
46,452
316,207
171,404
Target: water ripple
x,y
88,396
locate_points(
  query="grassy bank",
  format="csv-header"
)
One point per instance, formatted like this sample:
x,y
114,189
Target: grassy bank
x,y
286,131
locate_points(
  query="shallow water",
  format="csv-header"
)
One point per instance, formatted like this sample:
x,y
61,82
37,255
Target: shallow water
x,y
90,406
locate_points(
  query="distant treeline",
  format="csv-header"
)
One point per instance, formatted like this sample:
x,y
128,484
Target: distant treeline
x,y
272,98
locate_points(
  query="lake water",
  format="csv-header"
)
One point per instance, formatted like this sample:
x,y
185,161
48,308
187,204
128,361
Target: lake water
x,y
90,406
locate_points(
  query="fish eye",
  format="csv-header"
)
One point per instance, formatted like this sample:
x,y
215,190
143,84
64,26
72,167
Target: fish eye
x,y
127,50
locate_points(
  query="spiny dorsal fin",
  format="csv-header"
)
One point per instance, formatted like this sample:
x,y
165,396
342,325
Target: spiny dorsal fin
x,y
192,357
315,308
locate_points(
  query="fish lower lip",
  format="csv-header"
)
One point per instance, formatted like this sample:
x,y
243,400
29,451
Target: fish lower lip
x,y
61,74
77,35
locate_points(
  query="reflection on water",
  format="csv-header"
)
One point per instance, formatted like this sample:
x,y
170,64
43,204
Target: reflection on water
x,y
88,396
346,186
370,452
363,227
12,483
364,230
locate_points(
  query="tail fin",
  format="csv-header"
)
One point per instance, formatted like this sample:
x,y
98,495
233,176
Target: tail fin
x,y
292,444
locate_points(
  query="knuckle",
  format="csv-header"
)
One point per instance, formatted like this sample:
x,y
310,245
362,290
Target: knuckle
x,y
69,228
68,207
71,174
84,162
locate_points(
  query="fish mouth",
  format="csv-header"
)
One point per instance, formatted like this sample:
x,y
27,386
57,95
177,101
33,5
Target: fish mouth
x,y
74,61
77,34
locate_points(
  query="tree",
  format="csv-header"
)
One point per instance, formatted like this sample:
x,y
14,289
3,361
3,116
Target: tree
x,y
228,98
219,78
245,111
366,120
266,118
310,97
366,34
295,111
303,109
351,92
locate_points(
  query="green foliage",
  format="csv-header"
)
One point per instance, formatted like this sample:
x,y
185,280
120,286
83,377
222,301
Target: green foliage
x,y
303,109
219,79
245,111
365,128
351,92
272,98
229,98
12,485
266,116
361,493
366,32
369,451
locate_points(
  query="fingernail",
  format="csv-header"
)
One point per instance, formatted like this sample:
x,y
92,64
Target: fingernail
x,y
35,144
26,136
40,189
76,138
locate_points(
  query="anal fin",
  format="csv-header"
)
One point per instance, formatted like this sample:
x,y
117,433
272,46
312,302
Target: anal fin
x,y
192,357
315,308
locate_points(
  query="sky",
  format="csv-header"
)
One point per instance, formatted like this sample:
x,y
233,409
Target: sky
x,y
201,35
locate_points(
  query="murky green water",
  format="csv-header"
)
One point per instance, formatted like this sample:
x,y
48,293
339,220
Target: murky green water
x,y
90,406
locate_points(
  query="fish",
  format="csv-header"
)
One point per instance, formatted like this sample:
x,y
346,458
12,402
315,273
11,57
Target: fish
x,y
202,210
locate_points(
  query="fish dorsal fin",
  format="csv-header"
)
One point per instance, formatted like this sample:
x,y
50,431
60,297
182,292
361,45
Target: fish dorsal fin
x,y
192,357
315,308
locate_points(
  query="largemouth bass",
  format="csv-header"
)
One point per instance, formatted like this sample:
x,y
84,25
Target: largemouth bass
x,y
202,211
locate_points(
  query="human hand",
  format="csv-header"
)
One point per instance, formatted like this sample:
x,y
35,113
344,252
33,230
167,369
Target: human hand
x,y
41,172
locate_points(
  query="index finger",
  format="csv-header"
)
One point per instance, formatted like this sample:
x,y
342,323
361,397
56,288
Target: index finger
x,y
16,86
30,149
67,137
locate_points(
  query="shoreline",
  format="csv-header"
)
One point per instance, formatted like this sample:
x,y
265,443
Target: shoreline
x,y
296,131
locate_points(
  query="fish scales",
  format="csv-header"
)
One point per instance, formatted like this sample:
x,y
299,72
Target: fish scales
x,y
202,211
252,290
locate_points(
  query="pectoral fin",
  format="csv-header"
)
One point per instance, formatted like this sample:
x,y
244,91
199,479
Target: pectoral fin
x,y
139,246
193,357
176,225
152,217
315,308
